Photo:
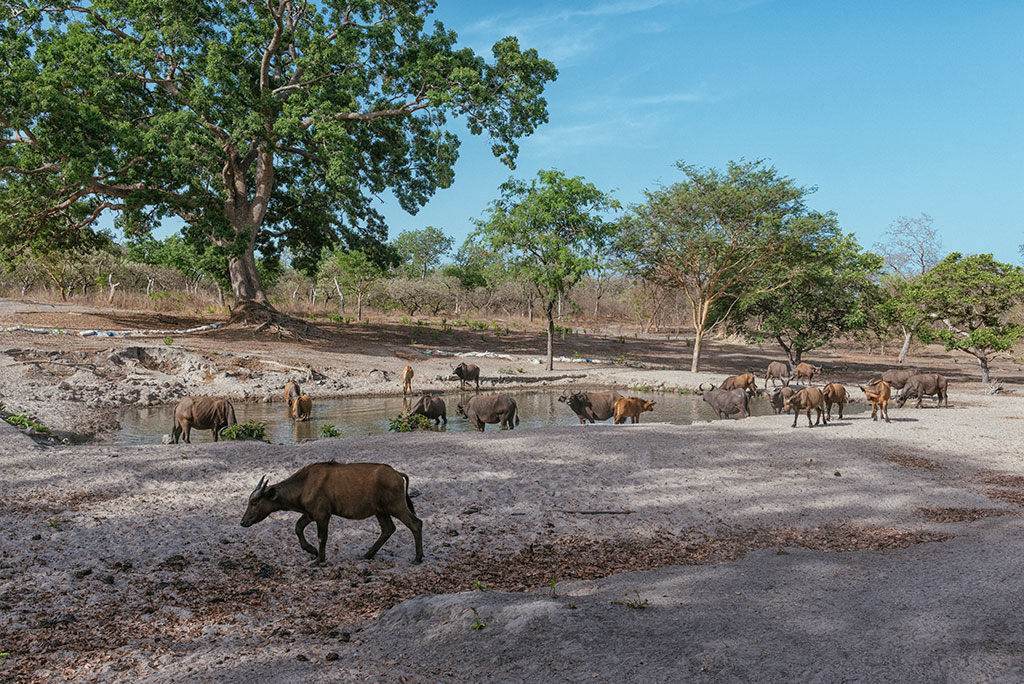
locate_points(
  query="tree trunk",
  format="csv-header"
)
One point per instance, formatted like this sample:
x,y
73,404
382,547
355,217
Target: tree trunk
x,y
340,295
908,335
359,306
789,355
597,307
245,280
551,334
698,341
984,369
529,309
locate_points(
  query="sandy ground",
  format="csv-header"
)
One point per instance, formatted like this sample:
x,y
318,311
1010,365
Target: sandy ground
x,y
899,543
727,551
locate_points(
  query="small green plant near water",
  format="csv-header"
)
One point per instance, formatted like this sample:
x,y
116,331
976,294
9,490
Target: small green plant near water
x,y
327,431
3,657
56,521
642,388
249,430
406,320
562,331
506,371
479,586
21,420
552,584
635,602
168,340
409,423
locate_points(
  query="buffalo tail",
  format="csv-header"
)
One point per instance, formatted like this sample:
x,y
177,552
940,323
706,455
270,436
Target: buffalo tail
x,y
408,501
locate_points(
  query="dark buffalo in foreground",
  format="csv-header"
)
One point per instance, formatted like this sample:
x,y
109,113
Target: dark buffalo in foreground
x,y
808,399
835,394
896,378
878,394
778,397
591,405
349,490
201,413
726,402
776,371
744,381
430,407
490,408
467,372
931,384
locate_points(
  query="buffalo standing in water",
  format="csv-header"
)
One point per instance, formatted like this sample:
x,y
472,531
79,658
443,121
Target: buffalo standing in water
x,y
201,413
490,408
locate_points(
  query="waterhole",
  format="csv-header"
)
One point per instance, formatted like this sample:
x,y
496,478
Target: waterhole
x,y
371,415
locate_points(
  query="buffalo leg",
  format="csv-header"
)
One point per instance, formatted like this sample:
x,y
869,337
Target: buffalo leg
x,y
796,414
300,528
187,432
321,533
387,528
809,424
885,412
415,525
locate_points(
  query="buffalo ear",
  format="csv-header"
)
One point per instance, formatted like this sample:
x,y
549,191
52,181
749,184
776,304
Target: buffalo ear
x,y
271,493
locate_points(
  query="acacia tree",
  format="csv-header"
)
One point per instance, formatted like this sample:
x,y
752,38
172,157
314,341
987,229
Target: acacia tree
x,y
971,299
910,249
711,235
258,124
827,290
548,231
422,250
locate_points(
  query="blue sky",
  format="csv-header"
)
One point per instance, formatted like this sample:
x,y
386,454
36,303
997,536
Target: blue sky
x,y
889,108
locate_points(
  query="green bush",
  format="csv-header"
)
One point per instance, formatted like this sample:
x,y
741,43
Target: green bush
x,y
327,431
409,423
249,430
21,420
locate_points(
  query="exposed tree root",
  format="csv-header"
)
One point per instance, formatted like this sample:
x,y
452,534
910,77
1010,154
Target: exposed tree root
x,y
263,318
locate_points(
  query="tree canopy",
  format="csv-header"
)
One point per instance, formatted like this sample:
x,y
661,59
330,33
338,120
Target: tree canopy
x,y
821,288
422,250
260,125
971,299
549,231
711,235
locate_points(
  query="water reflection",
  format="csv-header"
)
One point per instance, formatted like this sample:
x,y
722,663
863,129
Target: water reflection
x,y
370,415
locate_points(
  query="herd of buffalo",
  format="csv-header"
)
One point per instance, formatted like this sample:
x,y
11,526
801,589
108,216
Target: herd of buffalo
x,y
360,490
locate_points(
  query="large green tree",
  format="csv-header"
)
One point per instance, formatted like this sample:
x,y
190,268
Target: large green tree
x,y
827,289
712,235
549,231
972,299
259,124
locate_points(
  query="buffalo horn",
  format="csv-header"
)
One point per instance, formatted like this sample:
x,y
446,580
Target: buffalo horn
x,y
260,487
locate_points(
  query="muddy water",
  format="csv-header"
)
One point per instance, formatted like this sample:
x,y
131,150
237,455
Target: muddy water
x,y
370,415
